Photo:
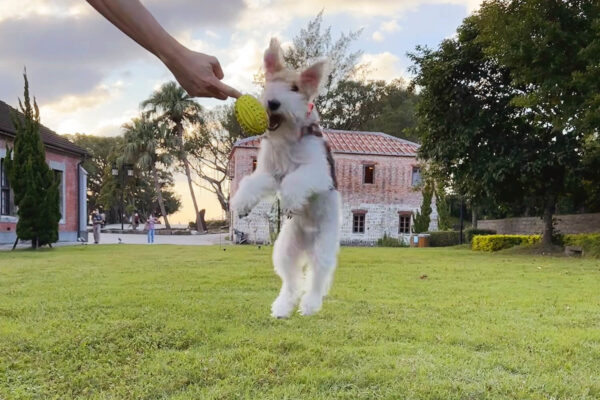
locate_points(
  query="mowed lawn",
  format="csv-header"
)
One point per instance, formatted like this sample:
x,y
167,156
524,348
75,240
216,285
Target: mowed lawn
x,y
154,322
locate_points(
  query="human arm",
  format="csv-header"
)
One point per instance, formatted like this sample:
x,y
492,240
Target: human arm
x,y
199,74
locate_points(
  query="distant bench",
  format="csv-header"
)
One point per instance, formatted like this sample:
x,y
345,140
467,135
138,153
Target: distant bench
x,y
573,251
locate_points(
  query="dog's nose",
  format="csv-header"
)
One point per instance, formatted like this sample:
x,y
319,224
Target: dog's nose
x,y
273,104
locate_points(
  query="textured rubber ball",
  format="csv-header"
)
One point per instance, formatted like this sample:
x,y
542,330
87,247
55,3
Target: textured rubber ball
x,y
251,115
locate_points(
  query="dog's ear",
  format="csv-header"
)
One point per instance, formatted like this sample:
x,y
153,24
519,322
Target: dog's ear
x,y
311,78
273,58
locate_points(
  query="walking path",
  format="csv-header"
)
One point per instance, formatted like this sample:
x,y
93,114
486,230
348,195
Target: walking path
x,y
113,238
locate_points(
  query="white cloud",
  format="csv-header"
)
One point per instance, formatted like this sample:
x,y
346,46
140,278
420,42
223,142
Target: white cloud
x,y
385,66
390,26
377,36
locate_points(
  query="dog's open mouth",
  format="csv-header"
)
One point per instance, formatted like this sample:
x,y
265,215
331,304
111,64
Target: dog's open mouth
x,y
274,121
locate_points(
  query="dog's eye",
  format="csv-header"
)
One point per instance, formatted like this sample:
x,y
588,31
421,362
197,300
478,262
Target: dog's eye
x,y
294,88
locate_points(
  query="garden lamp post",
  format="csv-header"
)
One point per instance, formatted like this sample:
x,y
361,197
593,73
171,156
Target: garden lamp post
x,y
125,171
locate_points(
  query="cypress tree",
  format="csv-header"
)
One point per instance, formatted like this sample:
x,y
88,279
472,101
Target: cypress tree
x,y
422,218
34,185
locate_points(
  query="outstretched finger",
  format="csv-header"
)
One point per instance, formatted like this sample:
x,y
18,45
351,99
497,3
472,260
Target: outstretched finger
x,y
225,89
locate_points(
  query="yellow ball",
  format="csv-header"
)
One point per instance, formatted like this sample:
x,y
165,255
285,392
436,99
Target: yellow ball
x,y
251,115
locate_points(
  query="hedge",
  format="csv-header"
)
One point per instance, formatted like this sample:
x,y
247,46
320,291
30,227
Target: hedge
x,y
469,233
444,238
590,242
499,242
388,241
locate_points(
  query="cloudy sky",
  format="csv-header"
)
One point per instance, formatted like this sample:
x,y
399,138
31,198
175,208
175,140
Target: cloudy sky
x,y
90,78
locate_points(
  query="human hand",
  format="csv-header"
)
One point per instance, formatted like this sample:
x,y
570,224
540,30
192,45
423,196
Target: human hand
x,y
200,74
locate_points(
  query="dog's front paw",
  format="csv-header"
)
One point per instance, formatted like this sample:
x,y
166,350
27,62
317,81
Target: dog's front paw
x,y
241,207
291,205
282,307
310,304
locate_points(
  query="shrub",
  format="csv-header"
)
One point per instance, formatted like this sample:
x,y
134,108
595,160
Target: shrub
x,y
590,242
469,233
388,241
444,238
499,242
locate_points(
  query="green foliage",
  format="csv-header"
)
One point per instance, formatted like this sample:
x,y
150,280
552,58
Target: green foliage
x,y
388,241
471,232
443,209
423,217
590,242
444,238
146,144
34,185
372,106
503,106
171,105
143,322
100,150
499,242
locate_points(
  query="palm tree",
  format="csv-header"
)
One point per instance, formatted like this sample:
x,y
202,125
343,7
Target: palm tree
x,y
143,142
171,104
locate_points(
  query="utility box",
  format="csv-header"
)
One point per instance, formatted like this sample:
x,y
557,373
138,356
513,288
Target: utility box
x,y
424,239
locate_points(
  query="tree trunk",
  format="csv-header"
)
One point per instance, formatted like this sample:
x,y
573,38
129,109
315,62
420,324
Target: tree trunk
x,y
474,216
548,228
188,173
161,203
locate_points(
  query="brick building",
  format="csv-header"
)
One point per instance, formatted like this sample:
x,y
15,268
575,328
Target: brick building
x,y
65,159
376,174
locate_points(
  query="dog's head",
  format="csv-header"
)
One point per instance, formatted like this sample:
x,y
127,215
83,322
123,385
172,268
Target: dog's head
x,y
288,94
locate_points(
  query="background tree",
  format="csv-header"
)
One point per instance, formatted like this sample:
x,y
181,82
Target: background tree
x,y
144,146
33,182
550,49
498,111
99,149
422,217
364,105
172,105
210,146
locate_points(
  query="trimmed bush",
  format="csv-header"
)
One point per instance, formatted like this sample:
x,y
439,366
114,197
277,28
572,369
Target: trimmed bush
x,y
444,238
469,233
590,242
499,242
388,241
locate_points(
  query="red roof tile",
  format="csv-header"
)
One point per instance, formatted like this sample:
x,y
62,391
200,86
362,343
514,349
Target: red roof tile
x,y
49,137
355,142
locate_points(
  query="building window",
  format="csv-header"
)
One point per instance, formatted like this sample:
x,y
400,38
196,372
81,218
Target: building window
x,y
5,200
253,164
368,174
358,223
416,176
58,175
404,226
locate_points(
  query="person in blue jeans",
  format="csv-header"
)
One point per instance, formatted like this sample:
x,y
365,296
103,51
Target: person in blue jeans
x,y
151,221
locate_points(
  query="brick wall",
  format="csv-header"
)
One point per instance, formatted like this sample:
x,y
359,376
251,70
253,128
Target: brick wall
x,y
574,223
390,194
68,225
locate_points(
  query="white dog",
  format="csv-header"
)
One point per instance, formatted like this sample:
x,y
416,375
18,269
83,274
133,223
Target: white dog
x,y
295,163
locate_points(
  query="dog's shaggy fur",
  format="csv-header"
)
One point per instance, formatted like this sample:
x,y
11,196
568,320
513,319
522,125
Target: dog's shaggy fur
x,y
294,162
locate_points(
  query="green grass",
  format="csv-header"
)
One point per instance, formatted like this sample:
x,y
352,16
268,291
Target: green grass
x,y
154,322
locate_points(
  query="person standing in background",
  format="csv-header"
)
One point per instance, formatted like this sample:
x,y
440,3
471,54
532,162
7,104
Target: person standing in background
x,y
150,224
97,222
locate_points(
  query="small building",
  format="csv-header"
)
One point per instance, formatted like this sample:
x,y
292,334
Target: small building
x,y
378,177
65,159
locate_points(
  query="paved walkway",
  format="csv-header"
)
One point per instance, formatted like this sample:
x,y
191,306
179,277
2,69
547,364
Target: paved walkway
x,y
113,238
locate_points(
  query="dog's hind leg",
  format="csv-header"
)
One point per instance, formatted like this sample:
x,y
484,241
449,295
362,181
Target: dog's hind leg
x,y
322,255
288,257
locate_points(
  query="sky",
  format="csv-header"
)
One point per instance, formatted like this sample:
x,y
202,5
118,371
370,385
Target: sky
x,y
89,78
